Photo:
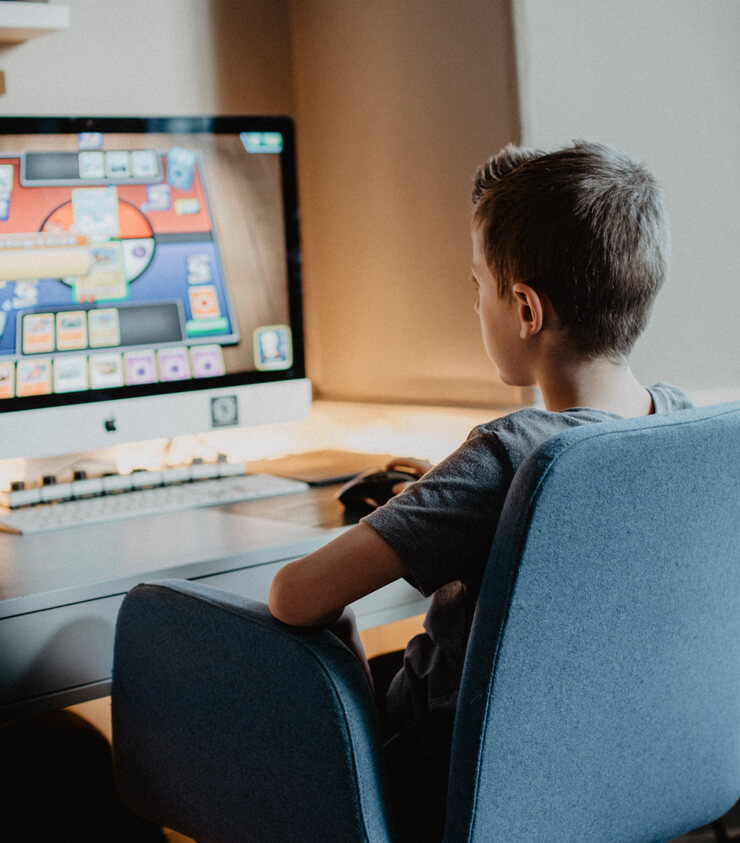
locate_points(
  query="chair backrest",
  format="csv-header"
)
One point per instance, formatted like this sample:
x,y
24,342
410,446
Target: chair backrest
x,y
230,726
601,692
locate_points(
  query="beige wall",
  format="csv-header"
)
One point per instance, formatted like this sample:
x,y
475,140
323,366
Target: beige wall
x,y
396,105
660,80
156,57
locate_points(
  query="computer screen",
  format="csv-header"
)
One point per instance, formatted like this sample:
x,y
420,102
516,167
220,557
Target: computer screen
x,y
147,258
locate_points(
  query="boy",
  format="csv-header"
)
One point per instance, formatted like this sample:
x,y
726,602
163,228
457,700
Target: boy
x,y
569,251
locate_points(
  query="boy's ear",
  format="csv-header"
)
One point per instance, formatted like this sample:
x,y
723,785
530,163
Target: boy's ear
x,y
530,309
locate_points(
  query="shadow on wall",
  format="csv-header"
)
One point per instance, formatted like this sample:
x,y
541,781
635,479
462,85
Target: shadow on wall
x,y
252,53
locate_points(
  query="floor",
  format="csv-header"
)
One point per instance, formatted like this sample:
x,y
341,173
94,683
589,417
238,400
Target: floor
x,y
702,835
175,837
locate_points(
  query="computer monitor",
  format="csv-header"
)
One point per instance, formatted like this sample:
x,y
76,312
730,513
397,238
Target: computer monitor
x,y
149,279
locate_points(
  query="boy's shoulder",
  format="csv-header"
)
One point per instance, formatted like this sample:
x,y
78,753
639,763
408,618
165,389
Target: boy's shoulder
x,y
667,398
532,423
523,430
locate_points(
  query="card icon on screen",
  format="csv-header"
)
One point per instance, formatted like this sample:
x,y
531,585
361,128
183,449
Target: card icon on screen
x,y
6,189
199,268
173,364
70,373
139,367
204,302
6,179
273,348
38,333
71,329
7,378
118,164
90,140
145,164
103,327
34,377
95,212
181,167
207,360
186,207
105,280
157,198
106,370
92,164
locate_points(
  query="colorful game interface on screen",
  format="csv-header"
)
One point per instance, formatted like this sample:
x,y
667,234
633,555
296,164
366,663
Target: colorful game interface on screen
x,y
110,272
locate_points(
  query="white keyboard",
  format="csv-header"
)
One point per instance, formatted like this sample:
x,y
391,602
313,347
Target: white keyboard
x,y
45,517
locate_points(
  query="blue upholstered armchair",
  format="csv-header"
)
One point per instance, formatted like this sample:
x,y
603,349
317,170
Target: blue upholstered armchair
x,y
601,693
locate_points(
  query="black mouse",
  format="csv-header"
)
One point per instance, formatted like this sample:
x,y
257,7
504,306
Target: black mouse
x,y
372,488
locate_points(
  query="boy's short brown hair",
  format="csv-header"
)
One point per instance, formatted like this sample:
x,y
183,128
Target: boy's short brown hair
x,y
585,225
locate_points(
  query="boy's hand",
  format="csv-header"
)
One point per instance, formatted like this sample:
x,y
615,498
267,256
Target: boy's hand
x,y
419,467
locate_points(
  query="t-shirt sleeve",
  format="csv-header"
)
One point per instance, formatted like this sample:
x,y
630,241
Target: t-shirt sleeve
x,y
667,398
442,526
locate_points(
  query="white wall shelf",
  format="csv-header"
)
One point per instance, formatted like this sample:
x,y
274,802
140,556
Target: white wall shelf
x,y
21,21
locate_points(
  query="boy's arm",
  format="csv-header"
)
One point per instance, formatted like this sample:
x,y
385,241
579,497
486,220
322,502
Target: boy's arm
x,y
315,589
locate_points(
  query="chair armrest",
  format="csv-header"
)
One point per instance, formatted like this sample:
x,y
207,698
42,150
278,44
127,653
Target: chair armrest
x,y
229,725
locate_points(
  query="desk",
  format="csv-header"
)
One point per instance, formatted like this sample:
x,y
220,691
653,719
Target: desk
x,y
60,592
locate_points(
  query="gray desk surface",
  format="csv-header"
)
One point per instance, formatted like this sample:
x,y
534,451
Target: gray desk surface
x,y
83,563
60,591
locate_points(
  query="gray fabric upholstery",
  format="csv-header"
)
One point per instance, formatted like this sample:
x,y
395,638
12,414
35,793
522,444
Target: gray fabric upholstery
x,y
601,693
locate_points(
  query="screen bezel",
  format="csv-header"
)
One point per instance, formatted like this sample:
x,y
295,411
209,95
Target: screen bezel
x,y
19,125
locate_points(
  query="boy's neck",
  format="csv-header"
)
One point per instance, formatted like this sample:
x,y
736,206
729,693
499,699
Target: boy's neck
x,y
594,382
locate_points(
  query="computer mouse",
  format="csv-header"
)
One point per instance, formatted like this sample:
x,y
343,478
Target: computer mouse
x,y
371,489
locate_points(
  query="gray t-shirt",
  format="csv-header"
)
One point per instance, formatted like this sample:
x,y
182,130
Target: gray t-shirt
x,y
442,527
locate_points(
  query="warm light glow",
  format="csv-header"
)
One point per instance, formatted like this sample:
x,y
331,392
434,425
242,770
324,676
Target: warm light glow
x,y
404,430
133,455
427,432
11,470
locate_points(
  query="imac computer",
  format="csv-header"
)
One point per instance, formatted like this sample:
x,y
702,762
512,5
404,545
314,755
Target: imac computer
x,y
149,279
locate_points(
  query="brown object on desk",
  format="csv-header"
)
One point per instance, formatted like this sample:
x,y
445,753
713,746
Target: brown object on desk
x,y
319,468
